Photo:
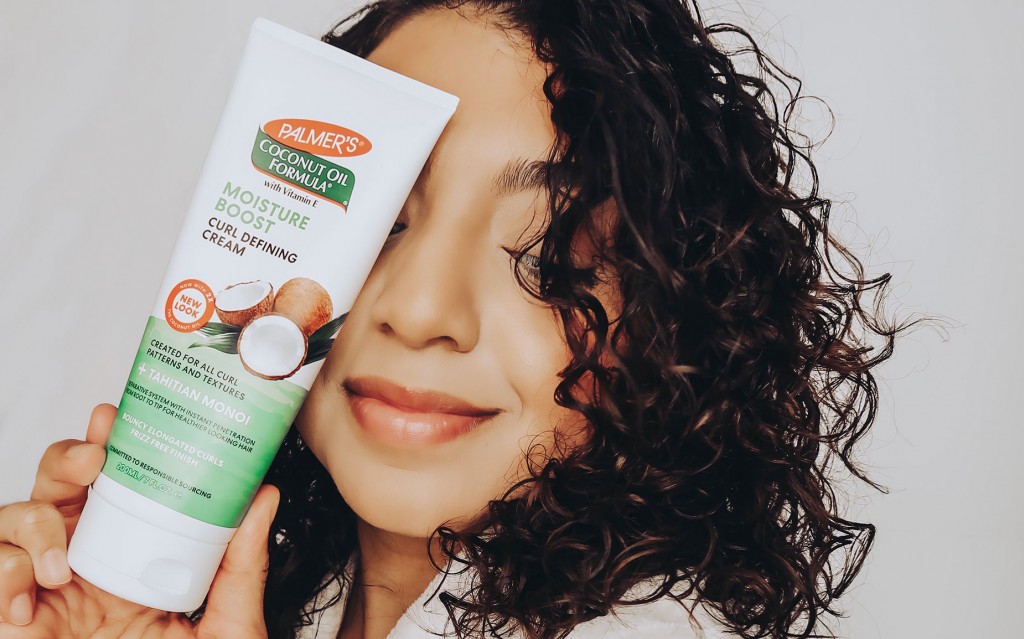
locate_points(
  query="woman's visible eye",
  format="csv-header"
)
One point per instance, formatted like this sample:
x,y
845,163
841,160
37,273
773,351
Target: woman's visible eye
x,y
531,261
397,228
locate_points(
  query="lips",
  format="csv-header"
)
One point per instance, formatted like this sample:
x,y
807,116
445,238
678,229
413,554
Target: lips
x,y
401,416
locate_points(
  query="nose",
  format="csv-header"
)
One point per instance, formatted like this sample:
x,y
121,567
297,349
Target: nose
x,y
426,289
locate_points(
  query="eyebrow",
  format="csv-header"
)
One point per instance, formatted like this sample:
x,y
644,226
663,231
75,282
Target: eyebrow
x,y
521,175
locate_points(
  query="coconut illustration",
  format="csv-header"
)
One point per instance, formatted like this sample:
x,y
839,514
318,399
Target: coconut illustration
x,y
275,339
305,302
272,346
241,303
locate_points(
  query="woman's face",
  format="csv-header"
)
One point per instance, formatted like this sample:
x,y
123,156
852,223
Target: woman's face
x,y
441,312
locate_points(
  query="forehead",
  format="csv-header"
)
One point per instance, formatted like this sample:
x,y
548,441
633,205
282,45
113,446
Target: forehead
x,y
502,113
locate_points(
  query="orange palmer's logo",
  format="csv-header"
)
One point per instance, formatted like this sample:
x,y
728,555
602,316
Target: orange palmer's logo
x,y
319,138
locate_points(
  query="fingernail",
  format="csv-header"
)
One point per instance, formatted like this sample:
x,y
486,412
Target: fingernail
x,y
21,610
55,566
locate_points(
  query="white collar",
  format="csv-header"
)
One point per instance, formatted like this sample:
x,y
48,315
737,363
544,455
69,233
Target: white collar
x,y
427,617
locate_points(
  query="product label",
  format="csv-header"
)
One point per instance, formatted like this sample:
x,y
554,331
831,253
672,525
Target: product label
x,y
286,156
249,308
195,431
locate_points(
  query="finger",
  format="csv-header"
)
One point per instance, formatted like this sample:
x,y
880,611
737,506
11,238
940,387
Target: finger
x,y
69,466
65,472
100,423
235,601
17,585
38,528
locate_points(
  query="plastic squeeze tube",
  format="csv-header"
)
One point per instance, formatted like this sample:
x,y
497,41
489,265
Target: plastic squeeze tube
x,y
314,157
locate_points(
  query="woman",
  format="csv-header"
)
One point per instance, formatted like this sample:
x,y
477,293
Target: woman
x,y
606,276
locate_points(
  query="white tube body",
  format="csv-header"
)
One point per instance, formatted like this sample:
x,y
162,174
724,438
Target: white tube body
x,y
314,157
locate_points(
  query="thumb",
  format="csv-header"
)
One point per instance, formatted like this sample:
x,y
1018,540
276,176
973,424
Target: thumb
x,y
234,607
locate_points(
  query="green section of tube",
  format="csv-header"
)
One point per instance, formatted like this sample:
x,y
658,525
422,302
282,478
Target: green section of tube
x,y
194,430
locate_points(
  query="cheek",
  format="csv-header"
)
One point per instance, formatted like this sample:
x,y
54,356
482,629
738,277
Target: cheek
x,y
534,353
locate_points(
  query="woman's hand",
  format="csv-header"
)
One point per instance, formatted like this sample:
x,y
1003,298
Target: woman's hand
x,y
40,597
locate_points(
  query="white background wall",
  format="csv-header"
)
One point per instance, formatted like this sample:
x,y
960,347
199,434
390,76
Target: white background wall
x,y
107,109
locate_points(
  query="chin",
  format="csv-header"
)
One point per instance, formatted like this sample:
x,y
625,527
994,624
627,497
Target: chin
x,y
404,509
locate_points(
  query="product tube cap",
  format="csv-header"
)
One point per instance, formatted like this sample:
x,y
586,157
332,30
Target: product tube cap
x,y
139,561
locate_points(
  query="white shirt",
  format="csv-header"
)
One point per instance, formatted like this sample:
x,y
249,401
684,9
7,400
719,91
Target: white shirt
x,y
427,618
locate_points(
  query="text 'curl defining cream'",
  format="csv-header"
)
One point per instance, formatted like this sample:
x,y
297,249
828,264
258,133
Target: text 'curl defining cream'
x,y
315,154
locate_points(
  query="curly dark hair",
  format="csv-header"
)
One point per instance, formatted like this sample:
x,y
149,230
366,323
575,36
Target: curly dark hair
x,y
733,385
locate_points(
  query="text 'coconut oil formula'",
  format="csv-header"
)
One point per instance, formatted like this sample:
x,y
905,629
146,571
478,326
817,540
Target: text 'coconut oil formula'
x,y
314,157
